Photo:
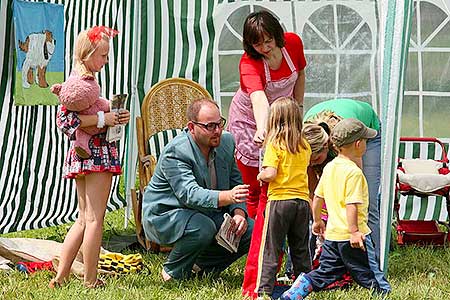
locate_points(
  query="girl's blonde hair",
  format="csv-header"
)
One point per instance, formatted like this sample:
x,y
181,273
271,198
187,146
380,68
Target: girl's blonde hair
x,y
285,125
316,136
326,116
84,48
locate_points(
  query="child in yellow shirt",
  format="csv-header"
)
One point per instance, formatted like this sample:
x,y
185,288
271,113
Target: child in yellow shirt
x,y
285,163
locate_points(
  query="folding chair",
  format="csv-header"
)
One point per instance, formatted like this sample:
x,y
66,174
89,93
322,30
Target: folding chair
x,y
423,178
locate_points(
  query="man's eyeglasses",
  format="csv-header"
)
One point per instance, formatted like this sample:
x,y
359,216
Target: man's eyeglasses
x,y
211,126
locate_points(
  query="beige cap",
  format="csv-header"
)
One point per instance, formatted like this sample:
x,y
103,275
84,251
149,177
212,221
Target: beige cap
x,y
349,130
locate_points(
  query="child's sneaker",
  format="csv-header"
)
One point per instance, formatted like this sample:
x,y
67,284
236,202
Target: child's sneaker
x,y
299,290
285,280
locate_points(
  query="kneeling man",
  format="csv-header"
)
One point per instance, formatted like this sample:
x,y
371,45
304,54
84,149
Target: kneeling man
x,y
195,182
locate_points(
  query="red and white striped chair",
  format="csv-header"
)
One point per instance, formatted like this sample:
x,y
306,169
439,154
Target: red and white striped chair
x,y
422,180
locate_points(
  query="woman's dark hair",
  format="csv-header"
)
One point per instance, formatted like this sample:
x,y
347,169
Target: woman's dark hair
x,y
256,25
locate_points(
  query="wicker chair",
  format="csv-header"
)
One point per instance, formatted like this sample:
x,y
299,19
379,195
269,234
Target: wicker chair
x,y
163,115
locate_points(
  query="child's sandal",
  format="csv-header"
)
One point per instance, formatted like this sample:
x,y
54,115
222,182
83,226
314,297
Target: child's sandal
x,y
97,284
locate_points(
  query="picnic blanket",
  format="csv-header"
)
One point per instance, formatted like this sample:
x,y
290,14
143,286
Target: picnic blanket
x,y
38,250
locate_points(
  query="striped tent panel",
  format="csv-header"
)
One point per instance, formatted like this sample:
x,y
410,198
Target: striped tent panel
x,y
423,208
395,29
177,41
159,140
32,191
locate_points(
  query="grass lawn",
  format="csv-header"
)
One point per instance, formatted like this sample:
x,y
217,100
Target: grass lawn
x,y
414,273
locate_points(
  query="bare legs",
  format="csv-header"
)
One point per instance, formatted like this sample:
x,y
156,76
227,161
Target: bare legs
x,y
93,193
97,192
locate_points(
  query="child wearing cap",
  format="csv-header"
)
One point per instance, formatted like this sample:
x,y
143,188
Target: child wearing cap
x,y
348,245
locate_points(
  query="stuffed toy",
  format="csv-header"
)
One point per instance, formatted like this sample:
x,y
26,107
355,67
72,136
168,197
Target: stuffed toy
x,y
82,94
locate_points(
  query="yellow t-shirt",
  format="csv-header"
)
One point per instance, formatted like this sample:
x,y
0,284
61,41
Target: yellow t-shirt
x,y
292,179
342,183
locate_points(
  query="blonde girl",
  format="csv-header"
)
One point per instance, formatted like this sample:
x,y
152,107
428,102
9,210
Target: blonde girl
x,y
93,176
287,213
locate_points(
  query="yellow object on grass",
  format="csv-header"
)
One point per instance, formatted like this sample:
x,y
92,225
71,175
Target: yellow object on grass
x,y
119,263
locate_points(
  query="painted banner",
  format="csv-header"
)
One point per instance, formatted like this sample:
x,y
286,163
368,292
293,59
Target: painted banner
x,y
39,40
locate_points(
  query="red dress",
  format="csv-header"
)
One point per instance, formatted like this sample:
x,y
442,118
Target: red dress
x,y
105,155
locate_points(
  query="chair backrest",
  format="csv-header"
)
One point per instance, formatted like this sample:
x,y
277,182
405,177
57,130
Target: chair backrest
x,y
159,140
164,106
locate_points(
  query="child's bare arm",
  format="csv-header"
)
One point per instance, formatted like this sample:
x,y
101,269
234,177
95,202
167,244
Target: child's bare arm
x,y
267,174
357,238
317,207
318,226
312,181
111,119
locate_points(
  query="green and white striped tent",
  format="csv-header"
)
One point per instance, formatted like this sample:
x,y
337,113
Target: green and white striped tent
x,y
354,48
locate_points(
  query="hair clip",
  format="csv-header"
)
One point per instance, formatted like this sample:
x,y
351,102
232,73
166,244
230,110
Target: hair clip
x,y
325,127
95,33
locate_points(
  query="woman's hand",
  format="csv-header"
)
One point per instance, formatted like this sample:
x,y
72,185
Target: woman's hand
x,y
259,136
261,108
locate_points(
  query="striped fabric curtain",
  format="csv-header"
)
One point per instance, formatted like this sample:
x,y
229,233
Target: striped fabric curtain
x,y
176,39
395,26
32,191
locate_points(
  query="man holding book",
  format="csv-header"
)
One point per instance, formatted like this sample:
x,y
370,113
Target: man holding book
x,y
196,181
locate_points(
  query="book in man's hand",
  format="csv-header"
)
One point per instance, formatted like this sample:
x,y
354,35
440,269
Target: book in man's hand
x,y
117,103
226,236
